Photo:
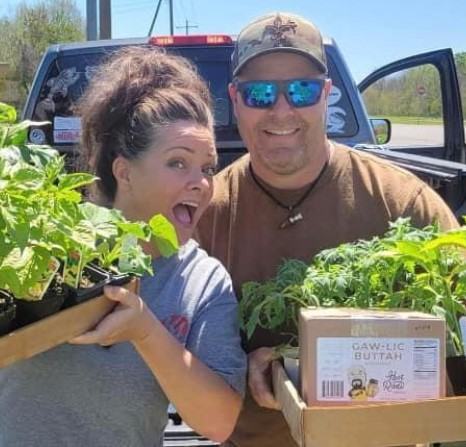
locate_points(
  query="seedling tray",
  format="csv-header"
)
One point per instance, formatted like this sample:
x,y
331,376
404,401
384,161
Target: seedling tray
x,y
56,329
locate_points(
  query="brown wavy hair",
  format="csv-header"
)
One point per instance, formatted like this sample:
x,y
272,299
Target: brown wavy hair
x,y
134,94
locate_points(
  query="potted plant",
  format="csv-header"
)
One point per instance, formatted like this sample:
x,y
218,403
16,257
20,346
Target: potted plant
x,y
35,295
103,247
52,243
416,269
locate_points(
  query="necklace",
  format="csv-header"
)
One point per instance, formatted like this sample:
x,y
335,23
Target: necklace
x,y
294,216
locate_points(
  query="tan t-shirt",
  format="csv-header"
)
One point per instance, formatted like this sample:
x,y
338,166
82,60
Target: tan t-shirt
x,y
356,196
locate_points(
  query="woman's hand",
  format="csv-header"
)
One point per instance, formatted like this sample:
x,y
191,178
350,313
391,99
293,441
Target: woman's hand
x,y
130,320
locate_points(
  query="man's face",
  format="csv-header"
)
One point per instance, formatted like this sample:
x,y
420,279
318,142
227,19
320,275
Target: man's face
x,y
282,140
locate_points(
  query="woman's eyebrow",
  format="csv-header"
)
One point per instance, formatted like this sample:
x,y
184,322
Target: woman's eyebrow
x,y
213,155
172,148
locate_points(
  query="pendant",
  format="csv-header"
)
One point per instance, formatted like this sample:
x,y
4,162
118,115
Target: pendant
x,y
291,220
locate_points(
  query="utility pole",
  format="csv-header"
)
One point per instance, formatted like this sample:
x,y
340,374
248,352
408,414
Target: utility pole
x,y
105,19
170,3
154,19
187,26
91,19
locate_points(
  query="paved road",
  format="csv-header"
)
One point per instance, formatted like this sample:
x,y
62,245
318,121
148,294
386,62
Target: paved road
x,y
411,134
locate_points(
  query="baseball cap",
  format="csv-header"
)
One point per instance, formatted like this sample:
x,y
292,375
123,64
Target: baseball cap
x,y
279,31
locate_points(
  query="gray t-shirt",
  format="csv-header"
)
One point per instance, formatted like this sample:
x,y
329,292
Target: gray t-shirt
x,y
92,396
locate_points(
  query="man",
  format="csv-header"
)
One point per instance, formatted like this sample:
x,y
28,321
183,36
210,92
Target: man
x,y
296,192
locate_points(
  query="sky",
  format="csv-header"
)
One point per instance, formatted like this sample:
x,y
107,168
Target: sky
x,y
370,33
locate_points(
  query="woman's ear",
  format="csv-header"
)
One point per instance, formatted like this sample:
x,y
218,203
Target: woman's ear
x,y
121,171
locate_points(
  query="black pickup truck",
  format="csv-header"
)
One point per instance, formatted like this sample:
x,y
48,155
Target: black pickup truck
x,y
65,71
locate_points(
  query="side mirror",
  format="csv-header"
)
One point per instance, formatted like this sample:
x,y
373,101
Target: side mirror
x,y
382,129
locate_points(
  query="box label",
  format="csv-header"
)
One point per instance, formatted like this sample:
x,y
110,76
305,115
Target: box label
x,y
377,369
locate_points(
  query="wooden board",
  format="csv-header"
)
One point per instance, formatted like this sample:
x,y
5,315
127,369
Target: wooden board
x,y
55,329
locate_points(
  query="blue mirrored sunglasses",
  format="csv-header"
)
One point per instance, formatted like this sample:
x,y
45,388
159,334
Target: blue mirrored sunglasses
x,y
264,94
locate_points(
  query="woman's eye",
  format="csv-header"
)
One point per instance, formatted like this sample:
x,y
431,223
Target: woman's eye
x,y
210,171
178,164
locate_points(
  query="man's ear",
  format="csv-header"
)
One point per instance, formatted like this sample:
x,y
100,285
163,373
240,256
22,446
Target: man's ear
x,y
327,87
121,172
232,91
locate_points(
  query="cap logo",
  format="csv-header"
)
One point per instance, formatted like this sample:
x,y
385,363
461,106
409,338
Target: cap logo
x,y
277,32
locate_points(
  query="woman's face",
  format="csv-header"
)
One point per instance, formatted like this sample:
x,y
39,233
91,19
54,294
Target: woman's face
x,y
173,178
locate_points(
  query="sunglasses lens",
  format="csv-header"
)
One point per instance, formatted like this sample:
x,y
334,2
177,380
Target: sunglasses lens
x,y
259,94
304,93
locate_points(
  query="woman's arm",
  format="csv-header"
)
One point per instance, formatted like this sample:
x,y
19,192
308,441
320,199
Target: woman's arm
x,y
203,399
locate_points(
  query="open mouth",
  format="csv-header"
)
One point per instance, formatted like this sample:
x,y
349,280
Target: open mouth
x,y
184,212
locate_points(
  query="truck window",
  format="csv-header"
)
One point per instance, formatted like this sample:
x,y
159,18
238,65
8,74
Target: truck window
x,y
68,77
63,85
412,100
341,120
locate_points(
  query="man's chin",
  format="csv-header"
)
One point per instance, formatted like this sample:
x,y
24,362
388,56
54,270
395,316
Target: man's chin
x,y
283,165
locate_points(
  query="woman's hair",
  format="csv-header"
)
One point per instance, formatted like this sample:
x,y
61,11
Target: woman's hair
x,y
135,93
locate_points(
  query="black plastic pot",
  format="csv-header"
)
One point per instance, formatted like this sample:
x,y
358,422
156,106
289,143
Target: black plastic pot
x,y
456,369
28,312
98,277
7,312
120,279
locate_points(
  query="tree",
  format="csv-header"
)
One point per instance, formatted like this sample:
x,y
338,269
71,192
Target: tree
x,y
25,36
460,59
398,94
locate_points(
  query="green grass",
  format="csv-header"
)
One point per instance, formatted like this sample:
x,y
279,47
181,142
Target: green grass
x,y
414,120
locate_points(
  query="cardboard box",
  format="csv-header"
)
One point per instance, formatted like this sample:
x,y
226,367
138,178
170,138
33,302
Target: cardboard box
x,y
56,329
369,425
356,356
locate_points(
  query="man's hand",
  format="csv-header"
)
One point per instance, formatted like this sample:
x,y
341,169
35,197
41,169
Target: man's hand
x,y
259,377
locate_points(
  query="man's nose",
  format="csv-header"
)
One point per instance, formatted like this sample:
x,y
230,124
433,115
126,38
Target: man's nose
x,y
282,105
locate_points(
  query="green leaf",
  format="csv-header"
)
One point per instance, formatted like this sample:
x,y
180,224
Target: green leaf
x,y
28,177
164,235
76,180
83,234
38,155
137,229
7,113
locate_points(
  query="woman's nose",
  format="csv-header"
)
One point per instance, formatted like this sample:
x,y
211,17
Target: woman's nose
x,y
198,180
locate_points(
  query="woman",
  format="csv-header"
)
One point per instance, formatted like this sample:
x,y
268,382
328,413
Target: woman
x,y
147,133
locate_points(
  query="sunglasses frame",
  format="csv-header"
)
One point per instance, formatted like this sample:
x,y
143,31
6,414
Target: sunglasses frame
x,y
282,87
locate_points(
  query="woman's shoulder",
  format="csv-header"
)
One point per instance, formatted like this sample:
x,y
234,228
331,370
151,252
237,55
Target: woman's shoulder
x,y
193,255
196,283
203,269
